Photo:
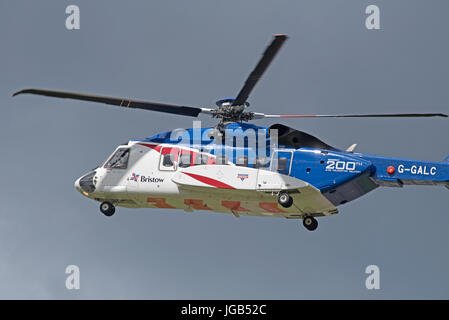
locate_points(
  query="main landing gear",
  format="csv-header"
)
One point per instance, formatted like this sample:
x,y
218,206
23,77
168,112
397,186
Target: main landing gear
x,y
310,223
285,200
107,208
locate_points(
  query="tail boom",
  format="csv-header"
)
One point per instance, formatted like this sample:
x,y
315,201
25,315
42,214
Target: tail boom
x,y
398,172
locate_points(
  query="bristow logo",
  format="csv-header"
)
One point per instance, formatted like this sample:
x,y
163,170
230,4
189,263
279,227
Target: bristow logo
x,y
242,176
150,179
135,177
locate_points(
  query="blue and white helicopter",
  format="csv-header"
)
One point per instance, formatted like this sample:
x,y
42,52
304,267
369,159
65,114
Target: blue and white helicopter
x,y
240,168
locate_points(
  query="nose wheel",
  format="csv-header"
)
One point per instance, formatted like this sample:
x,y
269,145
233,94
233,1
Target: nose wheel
x,y
310,223
107,208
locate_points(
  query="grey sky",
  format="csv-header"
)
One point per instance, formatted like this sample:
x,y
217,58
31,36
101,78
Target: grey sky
x,y
193,53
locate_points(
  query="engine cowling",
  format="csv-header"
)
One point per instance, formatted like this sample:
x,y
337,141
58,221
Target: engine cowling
x,y
297,139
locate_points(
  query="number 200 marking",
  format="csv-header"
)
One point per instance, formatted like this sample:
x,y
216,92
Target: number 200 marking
x,y
340,165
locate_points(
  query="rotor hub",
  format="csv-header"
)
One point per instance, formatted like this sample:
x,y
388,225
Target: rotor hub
x,y
227,112
228,102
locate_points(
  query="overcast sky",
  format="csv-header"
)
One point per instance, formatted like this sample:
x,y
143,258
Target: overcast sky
x,y
194,53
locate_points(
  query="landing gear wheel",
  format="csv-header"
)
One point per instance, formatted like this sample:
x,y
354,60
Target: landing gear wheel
x,y
285,200
107,208
310,223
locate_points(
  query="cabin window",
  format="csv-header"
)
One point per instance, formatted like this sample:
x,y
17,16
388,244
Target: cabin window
x,y
169,158
119,160
185,160
282,164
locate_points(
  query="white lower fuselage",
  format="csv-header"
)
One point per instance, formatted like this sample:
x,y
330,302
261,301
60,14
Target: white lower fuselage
x,y
173,177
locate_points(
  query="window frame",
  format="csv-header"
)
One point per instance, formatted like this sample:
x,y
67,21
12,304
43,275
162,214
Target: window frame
x,y
274,162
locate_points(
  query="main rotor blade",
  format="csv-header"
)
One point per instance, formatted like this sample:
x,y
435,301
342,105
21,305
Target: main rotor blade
x,y
259,70
393,115
121,102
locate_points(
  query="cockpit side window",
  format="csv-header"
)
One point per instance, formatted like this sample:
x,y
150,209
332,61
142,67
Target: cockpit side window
x,y
119,160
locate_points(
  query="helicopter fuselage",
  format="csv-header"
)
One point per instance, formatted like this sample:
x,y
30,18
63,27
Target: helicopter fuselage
x,y
167,172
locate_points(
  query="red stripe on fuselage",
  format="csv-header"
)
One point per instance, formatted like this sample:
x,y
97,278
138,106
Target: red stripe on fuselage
x,y
209,181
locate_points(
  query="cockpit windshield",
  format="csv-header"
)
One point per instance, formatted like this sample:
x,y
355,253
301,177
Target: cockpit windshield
x,y
119,160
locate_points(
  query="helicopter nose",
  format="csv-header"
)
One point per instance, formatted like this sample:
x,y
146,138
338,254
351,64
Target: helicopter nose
x,y
77,184
85,184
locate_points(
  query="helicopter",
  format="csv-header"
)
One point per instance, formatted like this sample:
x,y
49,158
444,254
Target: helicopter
x,y
240,168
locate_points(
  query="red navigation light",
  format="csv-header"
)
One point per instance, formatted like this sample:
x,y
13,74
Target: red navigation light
x,y
390,170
